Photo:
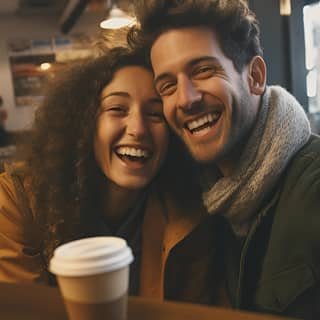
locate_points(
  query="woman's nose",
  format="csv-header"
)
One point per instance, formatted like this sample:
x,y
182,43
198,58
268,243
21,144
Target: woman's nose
x,y
136,125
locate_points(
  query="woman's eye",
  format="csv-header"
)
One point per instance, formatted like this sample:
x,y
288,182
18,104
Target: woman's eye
x,y
113,110
156,115
154,112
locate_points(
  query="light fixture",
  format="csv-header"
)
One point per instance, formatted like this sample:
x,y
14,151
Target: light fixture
x,y
285,7
45,66
117,19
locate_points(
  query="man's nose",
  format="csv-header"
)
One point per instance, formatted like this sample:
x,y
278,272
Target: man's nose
x,y
187,94
136,125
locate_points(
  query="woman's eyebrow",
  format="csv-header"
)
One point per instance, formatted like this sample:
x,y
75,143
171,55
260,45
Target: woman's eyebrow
x,y
116,93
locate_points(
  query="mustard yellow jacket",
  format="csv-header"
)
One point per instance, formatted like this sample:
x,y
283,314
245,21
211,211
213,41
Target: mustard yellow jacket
x,y
20,237
173,239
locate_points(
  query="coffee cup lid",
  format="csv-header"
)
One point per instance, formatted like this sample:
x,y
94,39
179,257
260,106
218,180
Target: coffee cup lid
x,y
90,256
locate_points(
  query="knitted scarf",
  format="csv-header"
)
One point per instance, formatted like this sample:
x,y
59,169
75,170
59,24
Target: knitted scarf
x,y
281,129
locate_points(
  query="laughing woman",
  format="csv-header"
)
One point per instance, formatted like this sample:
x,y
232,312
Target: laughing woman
x,y
101,161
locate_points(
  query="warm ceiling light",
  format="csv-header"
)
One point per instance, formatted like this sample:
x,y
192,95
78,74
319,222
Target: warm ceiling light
x,y
45,66
117,19
285,7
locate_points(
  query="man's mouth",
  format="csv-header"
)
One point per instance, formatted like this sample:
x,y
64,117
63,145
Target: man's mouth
x,y
204,122
132,154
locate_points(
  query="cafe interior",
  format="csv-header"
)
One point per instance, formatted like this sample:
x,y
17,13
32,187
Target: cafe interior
x,y
38,37
54,31
51,32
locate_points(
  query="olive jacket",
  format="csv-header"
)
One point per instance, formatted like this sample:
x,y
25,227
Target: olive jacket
x,y
276,268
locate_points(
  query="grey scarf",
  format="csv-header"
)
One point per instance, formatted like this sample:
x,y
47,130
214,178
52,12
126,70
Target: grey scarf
x,y
282,128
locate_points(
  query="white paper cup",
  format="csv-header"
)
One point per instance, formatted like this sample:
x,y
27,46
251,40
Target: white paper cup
x,y
93,277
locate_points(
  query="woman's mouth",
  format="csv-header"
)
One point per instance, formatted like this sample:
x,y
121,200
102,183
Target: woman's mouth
x,y
133,154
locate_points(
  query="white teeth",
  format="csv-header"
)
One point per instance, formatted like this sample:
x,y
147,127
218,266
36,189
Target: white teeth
x,y
201,121
134,152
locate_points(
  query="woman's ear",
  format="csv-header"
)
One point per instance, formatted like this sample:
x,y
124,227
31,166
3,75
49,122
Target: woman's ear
x,y
257,75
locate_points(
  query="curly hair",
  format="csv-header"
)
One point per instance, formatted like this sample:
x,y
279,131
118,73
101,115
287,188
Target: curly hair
x,y
60,160
236,26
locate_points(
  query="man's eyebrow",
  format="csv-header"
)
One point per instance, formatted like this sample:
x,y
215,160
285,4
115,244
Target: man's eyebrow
x,y
203,59
116,93
191,63
161,77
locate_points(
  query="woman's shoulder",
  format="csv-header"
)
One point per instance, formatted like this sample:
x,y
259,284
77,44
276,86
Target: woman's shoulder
x,y
7,186
15,189
20,235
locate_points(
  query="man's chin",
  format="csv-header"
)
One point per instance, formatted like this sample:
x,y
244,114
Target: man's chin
x,y
201,157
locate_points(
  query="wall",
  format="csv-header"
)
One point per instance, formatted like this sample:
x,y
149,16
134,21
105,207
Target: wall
x,y
271,39
282,40
283,43
30,27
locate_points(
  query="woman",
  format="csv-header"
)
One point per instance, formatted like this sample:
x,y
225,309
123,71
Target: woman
x,y
98,165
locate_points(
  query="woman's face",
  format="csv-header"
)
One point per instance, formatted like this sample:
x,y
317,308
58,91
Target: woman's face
x,y
131,136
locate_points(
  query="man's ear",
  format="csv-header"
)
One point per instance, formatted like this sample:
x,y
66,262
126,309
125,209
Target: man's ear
x,y
257,75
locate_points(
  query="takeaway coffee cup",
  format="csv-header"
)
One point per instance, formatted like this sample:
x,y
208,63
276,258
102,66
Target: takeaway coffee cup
x,y
93,276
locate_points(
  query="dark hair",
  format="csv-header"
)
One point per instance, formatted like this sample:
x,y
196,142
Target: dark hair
x,y
236,26
59,157
110,38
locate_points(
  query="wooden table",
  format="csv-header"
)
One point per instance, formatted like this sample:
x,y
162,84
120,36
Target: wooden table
x,y
33,302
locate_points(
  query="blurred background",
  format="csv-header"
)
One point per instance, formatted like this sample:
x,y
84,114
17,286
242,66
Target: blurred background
x,y
37,37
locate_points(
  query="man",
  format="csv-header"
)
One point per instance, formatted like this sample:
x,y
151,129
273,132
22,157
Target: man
x,y
260,163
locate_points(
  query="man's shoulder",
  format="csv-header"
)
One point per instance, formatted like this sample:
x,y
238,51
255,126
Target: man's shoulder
x,y
299,188
312,147
306,161
296,210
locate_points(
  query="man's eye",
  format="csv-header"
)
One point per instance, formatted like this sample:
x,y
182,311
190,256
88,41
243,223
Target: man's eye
x,y
166,88
204,71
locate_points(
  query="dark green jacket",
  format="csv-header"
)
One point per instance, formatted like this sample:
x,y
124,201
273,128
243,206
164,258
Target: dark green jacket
x,y
276,269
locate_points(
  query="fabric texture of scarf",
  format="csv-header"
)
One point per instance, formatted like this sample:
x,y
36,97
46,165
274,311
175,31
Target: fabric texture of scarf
x,y
282,128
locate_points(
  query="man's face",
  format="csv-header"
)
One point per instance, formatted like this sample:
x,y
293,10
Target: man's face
x,y
206,101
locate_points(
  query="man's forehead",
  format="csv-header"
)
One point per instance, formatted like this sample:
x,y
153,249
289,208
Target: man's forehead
x,y
180,46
